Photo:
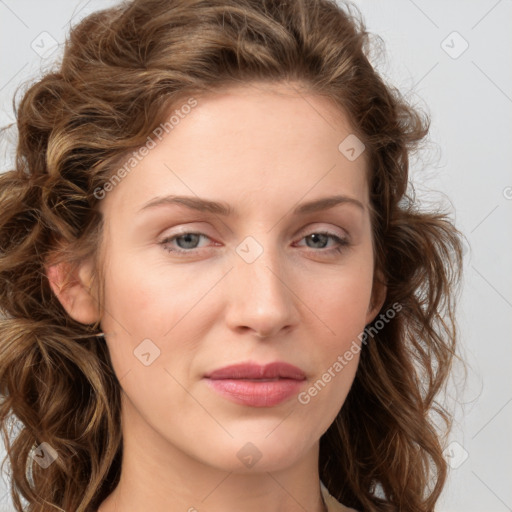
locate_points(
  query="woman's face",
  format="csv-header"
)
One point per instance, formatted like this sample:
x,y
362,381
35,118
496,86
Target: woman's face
x,y
268,282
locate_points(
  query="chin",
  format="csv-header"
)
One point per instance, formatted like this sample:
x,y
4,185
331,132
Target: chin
x,y
245,454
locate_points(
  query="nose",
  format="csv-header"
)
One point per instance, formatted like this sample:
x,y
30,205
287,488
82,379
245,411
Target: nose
x,y
261,296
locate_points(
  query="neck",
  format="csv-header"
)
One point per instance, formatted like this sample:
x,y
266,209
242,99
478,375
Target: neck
x,y
156,475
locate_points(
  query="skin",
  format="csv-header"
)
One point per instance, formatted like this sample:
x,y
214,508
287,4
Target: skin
x,y
263,150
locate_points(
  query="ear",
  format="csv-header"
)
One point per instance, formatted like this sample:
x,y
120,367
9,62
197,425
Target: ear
x,y
72,286
379,292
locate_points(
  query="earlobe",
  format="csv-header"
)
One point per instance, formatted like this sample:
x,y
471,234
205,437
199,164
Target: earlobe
x,y
71,285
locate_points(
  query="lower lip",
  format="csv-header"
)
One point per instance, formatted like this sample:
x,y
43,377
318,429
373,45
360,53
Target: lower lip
x,y
256,393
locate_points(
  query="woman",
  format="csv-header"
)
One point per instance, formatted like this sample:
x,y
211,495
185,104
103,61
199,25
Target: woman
x,y
218,293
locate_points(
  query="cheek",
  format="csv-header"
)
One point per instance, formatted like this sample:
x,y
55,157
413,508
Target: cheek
x,y
150,303
343,300
145,299
342,305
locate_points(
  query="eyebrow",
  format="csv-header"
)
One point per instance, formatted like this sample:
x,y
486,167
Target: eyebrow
x,y
221,208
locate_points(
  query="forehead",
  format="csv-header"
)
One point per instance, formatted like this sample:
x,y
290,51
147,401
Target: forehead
x,y
277,105
260,142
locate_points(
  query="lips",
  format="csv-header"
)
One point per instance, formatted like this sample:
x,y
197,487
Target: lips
x,y
255,385
274,370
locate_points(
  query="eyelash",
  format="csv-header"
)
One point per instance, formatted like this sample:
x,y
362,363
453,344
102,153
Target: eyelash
x,y
342,242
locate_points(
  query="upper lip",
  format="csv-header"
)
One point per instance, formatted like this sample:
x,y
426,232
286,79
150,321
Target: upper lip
x,y
277,369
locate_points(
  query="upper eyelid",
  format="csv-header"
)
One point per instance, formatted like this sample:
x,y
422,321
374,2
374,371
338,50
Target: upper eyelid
x,y
309,229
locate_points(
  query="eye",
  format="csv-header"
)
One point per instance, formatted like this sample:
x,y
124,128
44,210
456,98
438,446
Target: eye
x,y
187,242
321,238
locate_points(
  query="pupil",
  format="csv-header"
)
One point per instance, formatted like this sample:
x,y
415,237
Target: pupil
x,y
187,238
315,236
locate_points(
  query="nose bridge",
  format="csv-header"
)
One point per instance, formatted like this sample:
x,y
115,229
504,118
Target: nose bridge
x,y
259,264
262,299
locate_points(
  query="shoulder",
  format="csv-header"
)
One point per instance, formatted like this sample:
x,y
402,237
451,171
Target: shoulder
x,y
333,505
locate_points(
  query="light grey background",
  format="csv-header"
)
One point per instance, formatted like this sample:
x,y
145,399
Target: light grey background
x,y
468,92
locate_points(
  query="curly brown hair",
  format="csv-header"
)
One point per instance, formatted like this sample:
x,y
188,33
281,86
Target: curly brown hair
x,y
122,70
